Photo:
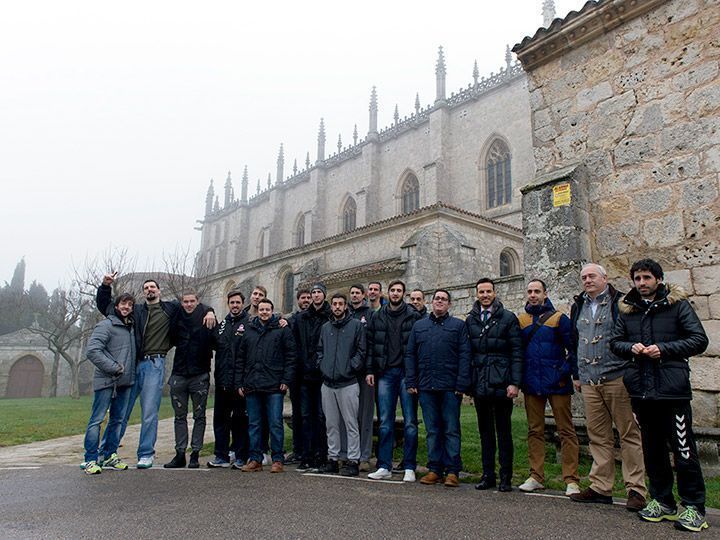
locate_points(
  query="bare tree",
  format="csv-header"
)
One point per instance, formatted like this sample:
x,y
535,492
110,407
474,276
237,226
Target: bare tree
x,y
183,271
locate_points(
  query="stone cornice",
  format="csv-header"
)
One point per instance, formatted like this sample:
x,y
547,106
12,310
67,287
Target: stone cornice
x,y
597,17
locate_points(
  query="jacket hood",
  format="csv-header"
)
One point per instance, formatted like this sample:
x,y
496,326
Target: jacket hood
x,y
274,322
342,322
667,294
118,320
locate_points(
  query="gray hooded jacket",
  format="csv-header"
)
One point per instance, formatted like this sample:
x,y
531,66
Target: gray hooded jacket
x,y
111,348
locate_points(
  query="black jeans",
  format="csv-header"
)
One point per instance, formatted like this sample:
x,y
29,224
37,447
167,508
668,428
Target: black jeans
x,y
494,415
183,389
296,423
663,423
314,437
230,419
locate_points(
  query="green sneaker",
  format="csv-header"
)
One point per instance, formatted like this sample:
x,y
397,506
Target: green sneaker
x,y
691,519
656,511
115,463
91,467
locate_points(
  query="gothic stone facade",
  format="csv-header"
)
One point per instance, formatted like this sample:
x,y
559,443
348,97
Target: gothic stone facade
x,y
625,100
433,199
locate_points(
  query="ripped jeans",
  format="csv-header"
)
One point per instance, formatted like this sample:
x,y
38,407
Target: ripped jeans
x,y
183,389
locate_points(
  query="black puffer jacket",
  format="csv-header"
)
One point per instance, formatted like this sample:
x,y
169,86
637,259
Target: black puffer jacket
x,y
497,353
266,358
377,335
341,351
668,322
226,341
307,334
192,342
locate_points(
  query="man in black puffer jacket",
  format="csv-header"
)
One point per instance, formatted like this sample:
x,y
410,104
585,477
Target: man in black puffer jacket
x,y
497,360
264,372
387,337
307,334
657,332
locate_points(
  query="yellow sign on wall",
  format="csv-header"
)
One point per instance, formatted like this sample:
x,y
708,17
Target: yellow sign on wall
x,y
561,195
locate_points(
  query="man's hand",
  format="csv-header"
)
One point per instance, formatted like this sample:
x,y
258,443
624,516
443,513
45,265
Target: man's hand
x,y
210,320
241,391
653,351
283,387
512,391
578,386
638,348
412,390
458,394
370,380
109,278
282,322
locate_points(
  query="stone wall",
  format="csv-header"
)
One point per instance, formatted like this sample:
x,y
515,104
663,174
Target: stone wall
x,y
629,93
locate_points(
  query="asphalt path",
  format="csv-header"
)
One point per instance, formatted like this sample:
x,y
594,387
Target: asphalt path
x,y
60,501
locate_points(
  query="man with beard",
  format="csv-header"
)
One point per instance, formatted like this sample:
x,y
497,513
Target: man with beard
x,y
374,291
657,332
497,359
387,338
307,334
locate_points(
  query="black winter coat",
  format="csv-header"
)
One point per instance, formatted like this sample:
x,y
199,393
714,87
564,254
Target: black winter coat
x,y
227,337
377,336
266,358
668,322
497,351
192,342
307,334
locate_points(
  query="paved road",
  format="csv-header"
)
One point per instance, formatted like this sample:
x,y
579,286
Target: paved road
x,y
61,502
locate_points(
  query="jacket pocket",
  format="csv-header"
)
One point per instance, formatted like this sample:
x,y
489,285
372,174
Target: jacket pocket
x,y
673,380
633,380
498,374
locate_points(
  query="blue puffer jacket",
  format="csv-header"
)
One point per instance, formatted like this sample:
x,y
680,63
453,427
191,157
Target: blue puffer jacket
x,y
437,356
550,361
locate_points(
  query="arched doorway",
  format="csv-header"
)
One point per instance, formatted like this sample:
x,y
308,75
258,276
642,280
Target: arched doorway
x,y
26,378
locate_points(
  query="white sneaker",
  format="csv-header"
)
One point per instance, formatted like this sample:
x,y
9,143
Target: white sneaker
x,y
409,475
530,485
231,455
380,474
572,489
267,460
145,462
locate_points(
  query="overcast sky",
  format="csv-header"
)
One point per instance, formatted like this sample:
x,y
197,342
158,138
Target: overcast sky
x,y
114,117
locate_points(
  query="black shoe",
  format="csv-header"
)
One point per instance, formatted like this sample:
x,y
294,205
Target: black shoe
x,y
350,469
292,458
178,462
331,467
505,485
486,482
304,466
194,463
398,469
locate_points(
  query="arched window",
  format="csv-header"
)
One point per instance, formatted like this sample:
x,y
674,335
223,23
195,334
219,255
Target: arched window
x,y
508,263
349,214
288,291
410,194
300,231
499,178
261,245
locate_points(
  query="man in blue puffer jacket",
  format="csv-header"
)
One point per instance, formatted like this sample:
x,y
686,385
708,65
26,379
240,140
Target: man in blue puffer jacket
x,y
437,368
550,367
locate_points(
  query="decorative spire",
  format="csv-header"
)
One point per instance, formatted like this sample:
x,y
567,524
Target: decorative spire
x,y
372,129
216,206
228,191
508,60
339,143
355,135
244,188
280,165
295,167
396,115
209,199
548,12
269,180
307,160
417,103
476,73
258,187
321,142
440,73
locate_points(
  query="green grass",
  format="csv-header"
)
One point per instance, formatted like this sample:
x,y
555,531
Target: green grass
x,y
39,419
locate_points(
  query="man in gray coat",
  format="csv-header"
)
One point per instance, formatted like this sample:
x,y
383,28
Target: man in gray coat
x,y
111,348
341,357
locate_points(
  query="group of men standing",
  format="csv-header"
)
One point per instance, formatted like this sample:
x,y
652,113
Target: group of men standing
x,y
627,355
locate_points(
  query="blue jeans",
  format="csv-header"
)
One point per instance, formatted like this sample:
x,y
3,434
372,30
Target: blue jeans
x,y
391,385
103,400
441,414
262,405
149,378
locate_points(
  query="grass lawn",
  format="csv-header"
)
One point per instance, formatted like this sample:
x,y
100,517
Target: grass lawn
x,y
39,419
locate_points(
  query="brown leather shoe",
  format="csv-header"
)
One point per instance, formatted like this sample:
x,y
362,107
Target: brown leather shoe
x,y
589,495
277,466
252,466
451,480
431,478
635,501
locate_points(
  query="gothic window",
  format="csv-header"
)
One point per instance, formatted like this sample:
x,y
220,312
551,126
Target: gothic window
x,y
300,231
499,178
288,291
410,194
349,214
261,245
508,266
